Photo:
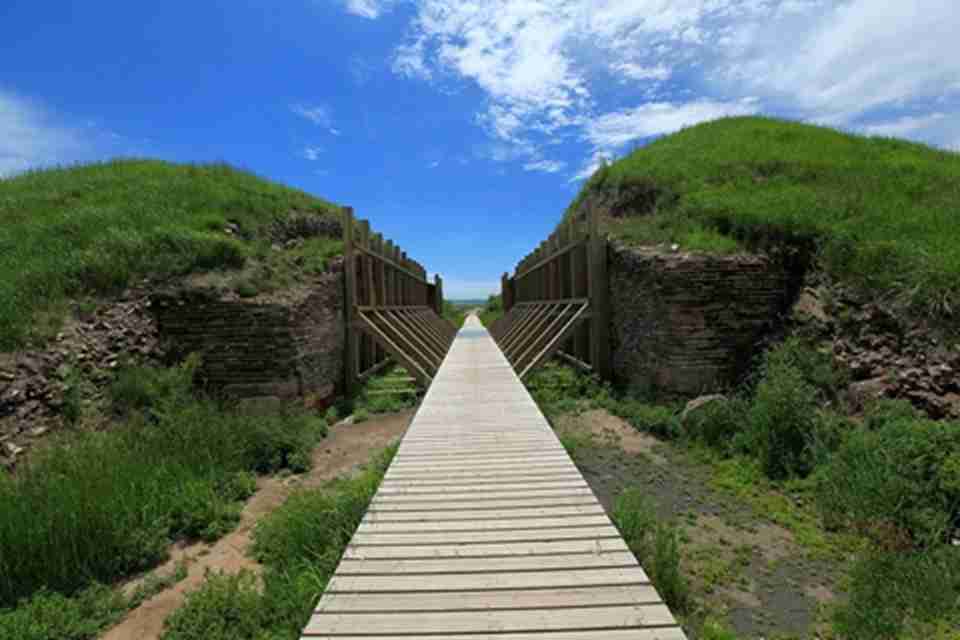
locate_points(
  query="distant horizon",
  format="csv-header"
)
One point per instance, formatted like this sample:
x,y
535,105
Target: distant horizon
x,y
461,130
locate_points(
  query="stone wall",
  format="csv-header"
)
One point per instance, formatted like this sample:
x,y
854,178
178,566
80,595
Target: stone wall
x,y
689,323
262,346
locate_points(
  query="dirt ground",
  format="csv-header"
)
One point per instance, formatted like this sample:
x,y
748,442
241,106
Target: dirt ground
x,y
743,568
346,447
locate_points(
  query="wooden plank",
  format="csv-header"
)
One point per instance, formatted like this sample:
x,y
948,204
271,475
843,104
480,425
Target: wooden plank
x,y
427,566
469,488
666,633
467,514
478,581
463,537
599,298
612,617
394,350
486,549
467,600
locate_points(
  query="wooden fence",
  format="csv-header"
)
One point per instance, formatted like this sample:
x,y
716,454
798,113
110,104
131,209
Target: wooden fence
x,y
392,311
557,302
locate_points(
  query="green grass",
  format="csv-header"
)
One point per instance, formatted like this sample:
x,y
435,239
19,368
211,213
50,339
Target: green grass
x,y
388,392
96,506
885,213
95,228
492,311
299,546
454,313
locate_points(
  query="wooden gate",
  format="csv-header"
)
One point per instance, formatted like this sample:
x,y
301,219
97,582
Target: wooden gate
x,y
556,303
392,311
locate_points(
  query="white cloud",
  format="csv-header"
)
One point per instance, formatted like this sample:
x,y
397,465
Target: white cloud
x,y
542,64
635,71
319,115
30,138
312,153
613,130
434,164
545,166
368,8
903,126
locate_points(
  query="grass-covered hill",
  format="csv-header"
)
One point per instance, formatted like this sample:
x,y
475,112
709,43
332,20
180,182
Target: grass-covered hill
x,y
883,212
93,229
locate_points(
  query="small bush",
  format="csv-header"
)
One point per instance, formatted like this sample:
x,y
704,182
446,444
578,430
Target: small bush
x,y
656,546
53,616
97,506
226,608
300,545
717,423
136,388
817,368
559,389
896,595
361,415
656,419
899,485
782,421
884,411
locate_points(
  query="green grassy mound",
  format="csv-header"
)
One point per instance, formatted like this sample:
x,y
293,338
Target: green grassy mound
x,y
882,212
96,228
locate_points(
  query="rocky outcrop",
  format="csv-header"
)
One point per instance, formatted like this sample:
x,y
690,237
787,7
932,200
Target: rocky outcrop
x,y
283,345
888,352
34,383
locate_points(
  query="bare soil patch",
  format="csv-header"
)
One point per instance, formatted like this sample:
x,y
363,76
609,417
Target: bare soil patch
x,y
346,447
742,567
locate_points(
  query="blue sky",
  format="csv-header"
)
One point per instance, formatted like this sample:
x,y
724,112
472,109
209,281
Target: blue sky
x,y
461,128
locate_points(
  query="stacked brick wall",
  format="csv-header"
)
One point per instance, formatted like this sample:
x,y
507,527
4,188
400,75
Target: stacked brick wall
x,y
257,347
689,323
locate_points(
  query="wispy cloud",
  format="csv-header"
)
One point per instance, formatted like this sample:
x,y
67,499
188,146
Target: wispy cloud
x,y
616,129
30,137
545,166
318,114
850,63
368,8
312,153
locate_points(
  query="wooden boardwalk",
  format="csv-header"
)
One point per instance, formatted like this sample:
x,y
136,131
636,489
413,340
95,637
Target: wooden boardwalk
x,y
483,529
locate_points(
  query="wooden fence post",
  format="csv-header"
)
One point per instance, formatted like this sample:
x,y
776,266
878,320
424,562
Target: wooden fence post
x,y
349,300
438,293
599,298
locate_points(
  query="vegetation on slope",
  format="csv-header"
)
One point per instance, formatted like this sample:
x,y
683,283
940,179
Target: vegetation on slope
x,y
299,545
95,506
882,212
888,488
96,228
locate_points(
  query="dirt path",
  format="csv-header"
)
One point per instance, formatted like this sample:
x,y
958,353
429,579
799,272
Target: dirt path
x,y
344,448
743,568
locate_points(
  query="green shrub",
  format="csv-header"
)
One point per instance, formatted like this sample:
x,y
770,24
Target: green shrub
x,y
300,545
559,389
656,546
53,616
361,415
884,411
782,421
136,388
226,608
902,596
899,484
656,419
817,368
97,506
717,423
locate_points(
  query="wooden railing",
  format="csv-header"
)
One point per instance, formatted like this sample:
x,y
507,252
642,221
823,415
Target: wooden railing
x,y
556,303
392,311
